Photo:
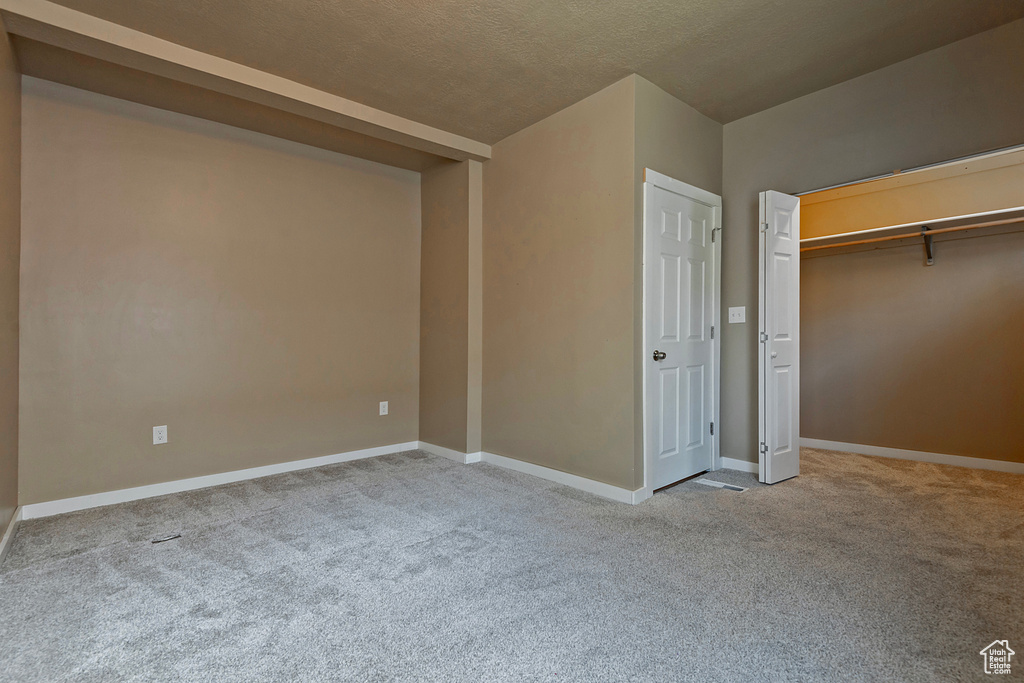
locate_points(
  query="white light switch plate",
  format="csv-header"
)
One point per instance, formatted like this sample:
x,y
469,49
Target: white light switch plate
x,y
159,435
737,314
383,407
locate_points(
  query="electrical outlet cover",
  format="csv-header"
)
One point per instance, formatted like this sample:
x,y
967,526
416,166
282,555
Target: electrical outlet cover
x,y
159,435
383,407
737,314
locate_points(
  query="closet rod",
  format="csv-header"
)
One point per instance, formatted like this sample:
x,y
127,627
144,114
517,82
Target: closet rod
x,y
921,233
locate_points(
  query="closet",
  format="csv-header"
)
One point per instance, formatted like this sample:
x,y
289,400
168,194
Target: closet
x,y
912,313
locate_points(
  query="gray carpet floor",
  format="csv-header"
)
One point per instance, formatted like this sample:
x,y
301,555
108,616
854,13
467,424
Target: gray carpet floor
x,y
414,568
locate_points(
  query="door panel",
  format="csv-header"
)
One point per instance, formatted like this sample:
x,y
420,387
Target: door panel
x,y
670,290
783,384
671,222
679,297
779,355
696,295
695,427
698,232
670,414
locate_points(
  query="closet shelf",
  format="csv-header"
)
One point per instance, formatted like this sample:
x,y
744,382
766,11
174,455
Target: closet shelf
x,y
923,229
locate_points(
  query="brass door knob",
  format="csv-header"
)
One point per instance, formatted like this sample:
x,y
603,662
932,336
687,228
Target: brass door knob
x,y
659,355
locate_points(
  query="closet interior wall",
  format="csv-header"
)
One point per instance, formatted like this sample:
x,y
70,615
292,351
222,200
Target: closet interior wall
x,y
902,355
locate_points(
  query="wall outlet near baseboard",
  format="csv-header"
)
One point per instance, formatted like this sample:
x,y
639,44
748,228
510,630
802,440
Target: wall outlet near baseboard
x,y
159,435
383,407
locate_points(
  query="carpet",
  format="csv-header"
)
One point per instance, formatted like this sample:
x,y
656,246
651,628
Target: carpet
x,y
410,567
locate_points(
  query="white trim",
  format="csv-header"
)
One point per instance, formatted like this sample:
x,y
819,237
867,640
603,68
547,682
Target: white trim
x,y
640,495
716,342
739,465
679,187
451,454
57,507
919,456
12,527
598,488
927,167
663,181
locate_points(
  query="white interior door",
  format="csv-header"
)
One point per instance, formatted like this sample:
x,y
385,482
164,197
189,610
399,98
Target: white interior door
x,y
681,276
779,357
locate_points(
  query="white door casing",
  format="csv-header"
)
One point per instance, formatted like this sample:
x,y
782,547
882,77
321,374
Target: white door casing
x,y
779,338
682,228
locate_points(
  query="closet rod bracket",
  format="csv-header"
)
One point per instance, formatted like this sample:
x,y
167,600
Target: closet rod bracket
x,y
927,245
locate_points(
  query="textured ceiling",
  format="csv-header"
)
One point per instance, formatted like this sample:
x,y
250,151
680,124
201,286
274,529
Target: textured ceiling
x,y
488,69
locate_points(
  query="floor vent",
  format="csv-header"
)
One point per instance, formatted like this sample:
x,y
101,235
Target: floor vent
x,y
720,485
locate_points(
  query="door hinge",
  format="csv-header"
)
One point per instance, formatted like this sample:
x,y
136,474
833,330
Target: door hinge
x,y
763,448
764,227
712,331
764,337
712,429
713,231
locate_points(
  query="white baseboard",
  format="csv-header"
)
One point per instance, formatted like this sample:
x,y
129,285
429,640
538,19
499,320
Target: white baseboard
x,y
8,537
451,454
582,483
741,465
920,456
57,507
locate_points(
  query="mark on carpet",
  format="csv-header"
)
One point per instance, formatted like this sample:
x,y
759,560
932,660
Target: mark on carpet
x,y
166,538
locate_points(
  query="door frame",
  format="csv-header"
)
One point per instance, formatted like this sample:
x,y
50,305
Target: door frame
x,y
654,179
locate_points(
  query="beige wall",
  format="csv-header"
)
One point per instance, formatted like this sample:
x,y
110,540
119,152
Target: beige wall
x,y
257,296
563,276
558,291
88,73
444,306
475,345
960,99
451,306
672,138
898,354
10,250
675,139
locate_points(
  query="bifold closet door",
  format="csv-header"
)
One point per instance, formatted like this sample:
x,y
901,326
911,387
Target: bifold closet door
x,y
779,338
